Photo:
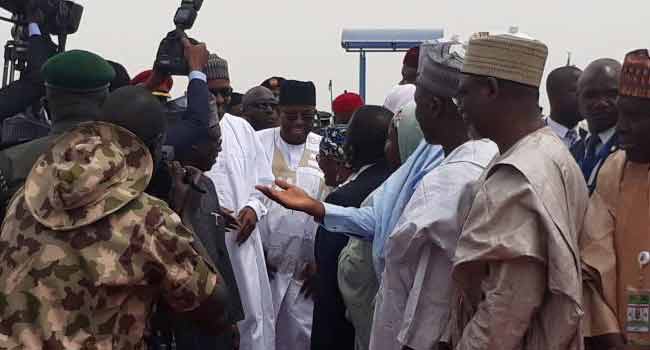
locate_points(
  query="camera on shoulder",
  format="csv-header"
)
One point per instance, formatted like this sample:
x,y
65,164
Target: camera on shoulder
x,y
60,17
55,17
170,58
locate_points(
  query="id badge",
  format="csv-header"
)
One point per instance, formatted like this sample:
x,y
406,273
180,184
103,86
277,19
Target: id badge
x,y
637,324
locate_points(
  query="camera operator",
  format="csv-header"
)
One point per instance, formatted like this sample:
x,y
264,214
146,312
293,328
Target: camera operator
x,y
218,83
196,141
194,106
29,89
76,85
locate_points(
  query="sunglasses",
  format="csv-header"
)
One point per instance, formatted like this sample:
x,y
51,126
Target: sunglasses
x,y
264,105
293,116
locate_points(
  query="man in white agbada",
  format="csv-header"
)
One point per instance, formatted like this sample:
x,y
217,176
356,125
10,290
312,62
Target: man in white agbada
x,y
288,236
412,306
240,166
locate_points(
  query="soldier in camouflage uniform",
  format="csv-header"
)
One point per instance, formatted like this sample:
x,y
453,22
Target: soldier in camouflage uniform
x,y
84,252
76,84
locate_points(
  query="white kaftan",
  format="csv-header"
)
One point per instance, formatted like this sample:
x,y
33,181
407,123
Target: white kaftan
x,y
240,166
288,237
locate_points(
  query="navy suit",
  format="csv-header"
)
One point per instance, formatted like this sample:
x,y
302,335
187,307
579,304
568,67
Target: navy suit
x,y
591,164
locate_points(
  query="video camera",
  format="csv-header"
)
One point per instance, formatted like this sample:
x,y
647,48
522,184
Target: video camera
x,y
58,17
170,58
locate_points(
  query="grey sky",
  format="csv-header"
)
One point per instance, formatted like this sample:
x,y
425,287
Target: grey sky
x,y
300,39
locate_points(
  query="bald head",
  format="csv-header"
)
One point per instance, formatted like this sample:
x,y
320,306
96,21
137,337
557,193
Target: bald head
x,y
136,109
562,89
256,95
600,71
259,107
597,93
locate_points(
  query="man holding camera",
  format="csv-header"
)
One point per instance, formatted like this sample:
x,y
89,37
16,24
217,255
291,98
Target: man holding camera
x,y
29,89
218,80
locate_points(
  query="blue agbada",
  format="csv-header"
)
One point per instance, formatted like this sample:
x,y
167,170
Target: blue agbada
x,y
377,221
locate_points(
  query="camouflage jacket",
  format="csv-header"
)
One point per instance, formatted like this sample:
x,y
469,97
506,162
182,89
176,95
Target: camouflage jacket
x,y
66,285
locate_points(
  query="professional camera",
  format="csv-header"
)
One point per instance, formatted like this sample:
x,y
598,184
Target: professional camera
x,y
170,58
57,17
60,17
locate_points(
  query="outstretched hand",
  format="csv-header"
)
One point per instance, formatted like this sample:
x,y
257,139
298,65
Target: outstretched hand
x,y
294,198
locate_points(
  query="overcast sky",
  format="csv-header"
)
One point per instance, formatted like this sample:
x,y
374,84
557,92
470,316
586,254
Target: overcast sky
x,y
300,39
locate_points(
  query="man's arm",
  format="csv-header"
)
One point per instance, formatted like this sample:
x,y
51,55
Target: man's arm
x,y
264,173
354,222
513,290
256,206
27,90
189,283
198,94
198,105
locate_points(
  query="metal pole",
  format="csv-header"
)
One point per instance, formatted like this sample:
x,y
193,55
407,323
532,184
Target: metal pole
x,y
362,74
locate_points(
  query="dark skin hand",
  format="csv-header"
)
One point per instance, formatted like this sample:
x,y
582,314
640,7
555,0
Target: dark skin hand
x,y
308,278
235,337
248,220
294,198
197,59
185,189
228,220
196,55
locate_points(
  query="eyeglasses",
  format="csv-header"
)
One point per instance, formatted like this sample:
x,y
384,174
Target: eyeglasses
x,y
224,92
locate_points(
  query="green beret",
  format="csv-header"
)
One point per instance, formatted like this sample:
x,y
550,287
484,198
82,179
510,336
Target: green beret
x,y
77,70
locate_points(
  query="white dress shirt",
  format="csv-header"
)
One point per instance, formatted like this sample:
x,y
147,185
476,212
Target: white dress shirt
x,y
568,136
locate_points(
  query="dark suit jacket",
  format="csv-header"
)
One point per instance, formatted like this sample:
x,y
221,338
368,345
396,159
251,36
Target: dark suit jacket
x,y
578,151
27,90
213,237
167,327
330,329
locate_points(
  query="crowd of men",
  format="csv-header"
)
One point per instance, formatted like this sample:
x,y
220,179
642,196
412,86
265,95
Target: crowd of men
x,y
454,216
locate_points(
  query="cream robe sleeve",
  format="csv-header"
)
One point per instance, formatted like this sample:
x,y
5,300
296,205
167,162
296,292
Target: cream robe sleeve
x,y
513,291
503,242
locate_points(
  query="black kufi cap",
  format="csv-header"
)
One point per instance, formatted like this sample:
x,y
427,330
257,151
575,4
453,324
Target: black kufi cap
x,y
297,93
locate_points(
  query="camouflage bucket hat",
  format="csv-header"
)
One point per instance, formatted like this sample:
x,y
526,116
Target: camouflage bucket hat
x,y
88,174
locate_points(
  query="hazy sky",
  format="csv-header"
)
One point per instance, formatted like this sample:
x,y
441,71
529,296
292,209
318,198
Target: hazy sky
x,y
300,39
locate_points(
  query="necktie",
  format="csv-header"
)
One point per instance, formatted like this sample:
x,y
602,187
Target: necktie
x,y
590,155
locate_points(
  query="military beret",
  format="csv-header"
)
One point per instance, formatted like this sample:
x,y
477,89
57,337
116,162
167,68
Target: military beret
x,y
77,70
